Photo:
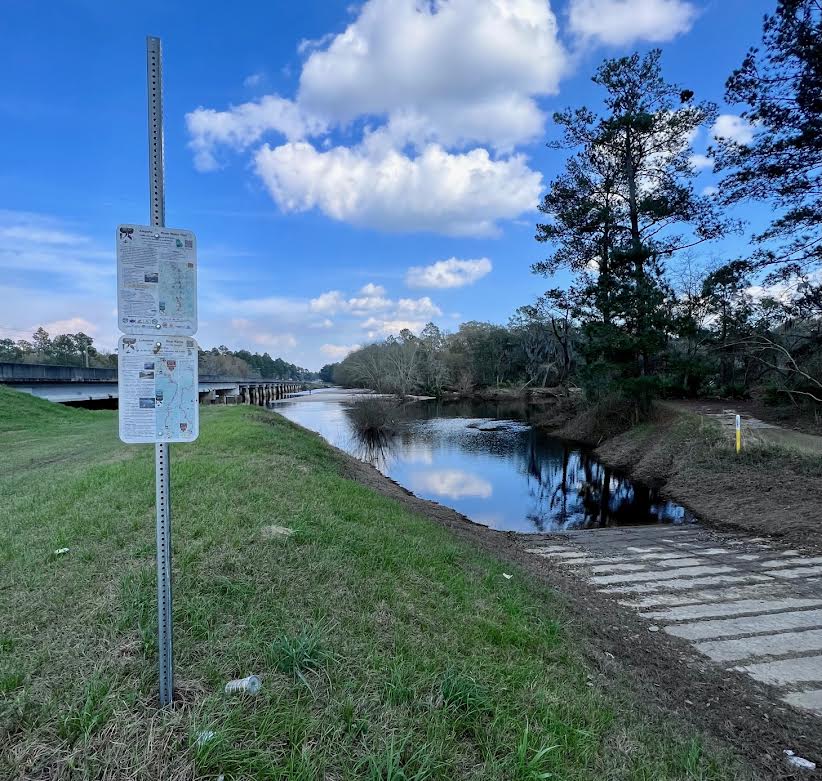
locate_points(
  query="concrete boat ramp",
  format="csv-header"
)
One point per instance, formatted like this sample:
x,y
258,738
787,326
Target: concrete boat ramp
x,y
740,602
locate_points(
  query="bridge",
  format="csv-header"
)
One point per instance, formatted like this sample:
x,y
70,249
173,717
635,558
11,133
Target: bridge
x,y
98,387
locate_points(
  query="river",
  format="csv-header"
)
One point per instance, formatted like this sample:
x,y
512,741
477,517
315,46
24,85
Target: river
x,y
486,461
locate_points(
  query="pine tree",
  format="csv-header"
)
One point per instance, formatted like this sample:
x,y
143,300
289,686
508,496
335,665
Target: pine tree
x,y
782,87
623,206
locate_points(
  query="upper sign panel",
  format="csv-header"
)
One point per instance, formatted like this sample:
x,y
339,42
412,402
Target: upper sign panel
x,y
156,280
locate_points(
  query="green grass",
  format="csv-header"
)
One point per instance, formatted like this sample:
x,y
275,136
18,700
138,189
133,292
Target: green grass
x,y
387,650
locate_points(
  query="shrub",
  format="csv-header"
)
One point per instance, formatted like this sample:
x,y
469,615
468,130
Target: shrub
x,y
374,416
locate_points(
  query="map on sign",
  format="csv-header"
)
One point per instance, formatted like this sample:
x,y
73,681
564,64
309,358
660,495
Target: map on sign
x,y
158,389
156,280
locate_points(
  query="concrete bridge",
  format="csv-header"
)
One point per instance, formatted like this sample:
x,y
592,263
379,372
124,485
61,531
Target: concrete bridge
x,y
98,387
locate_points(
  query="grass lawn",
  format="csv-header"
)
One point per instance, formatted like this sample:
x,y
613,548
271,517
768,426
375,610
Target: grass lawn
x,y
387,650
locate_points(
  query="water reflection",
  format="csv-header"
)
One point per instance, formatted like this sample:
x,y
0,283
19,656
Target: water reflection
x,y
488,463
451,483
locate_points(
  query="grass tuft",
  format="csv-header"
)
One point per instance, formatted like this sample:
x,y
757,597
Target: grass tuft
x,y
299,654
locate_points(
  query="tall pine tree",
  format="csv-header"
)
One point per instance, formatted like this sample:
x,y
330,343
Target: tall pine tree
x,y
625,204
782,87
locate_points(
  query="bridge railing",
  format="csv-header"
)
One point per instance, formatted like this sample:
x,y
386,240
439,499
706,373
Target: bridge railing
x,y
40,372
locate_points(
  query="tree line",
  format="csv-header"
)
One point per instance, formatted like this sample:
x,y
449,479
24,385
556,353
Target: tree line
x,y
78,350
645,313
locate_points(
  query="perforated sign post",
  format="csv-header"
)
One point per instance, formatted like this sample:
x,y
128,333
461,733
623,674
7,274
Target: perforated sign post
x,y
157,356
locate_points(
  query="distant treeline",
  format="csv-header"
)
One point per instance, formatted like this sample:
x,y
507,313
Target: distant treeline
x,y
241,363
63,350
79,350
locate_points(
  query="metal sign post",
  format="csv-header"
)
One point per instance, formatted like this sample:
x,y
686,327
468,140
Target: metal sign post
x,y
157,355
154,61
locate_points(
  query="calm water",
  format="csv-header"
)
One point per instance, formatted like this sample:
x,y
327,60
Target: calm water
x,y
512,478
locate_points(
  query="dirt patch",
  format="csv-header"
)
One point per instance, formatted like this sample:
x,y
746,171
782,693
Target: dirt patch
x,y
765,490
657,669
785,416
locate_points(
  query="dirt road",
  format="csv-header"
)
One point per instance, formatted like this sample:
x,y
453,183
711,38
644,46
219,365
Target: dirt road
x,y
753,428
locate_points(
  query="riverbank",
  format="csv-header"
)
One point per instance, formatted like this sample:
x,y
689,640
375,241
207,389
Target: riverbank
x,y
770,488
388,643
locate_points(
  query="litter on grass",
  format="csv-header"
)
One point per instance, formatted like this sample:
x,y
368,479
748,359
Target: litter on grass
x,y
507,576
796,761
273,532
61,551
205,736
248,685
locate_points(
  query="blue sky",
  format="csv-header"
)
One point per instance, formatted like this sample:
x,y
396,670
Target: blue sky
x,y
348,169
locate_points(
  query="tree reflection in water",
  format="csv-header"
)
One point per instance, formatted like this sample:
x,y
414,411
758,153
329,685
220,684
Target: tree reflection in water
x,y
577,491
510,476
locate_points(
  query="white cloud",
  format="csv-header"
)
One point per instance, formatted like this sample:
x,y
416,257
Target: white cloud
x,y
377,327
456,194
72,325
360,305
323,324
372,290
330,302
418,307
334,302
455,72
338,351
274,341
430,80
243,125
733,128
710,190
701,162
253,80
622,22
448,273
410,313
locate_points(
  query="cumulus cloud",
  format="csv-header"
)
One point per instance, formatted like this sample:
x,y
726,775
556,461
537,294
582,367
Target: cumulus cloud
x,y
710,190
435,153
418,307
734,128
329,302
622,22
240,126
701,162
338,351
410,313
391,60
377,327
373,304
72,325
456,194
448,273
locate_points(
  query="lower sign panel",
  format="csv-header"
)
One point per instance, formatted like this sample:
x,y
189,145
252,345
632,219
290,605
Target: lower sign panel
x,y
158,389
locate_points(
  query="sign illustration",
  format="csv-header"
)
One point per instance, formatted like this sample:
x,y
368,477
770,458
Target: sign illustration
x,y
156,280
158,386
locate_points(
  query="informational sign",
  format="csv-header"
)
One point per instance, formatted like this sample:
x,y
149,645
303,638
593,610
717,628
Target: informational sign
x,y
156,280
158,386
